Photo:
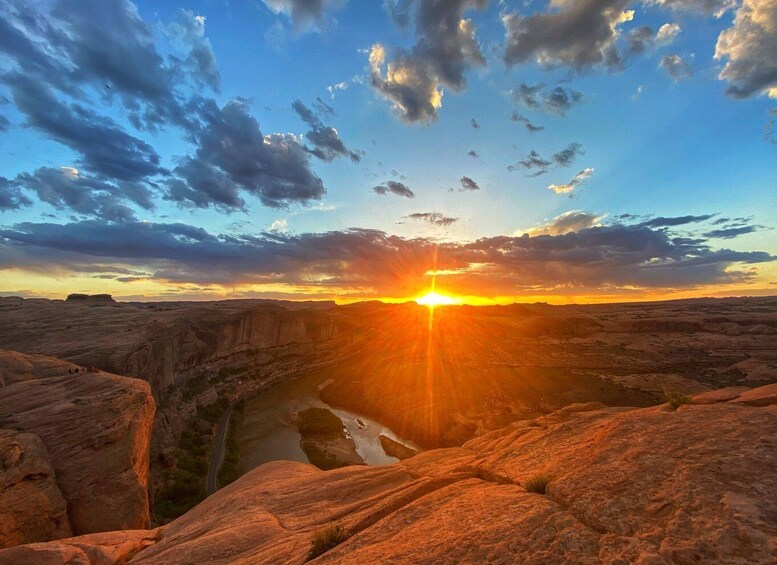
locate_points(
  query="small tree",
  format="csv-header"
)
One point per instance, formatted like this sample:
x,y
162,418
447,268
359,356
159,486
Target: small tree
x,y
326,539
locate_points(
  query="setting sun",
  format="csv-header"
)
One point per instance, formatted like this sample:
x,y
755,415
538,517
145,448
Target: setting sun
x,y
433,299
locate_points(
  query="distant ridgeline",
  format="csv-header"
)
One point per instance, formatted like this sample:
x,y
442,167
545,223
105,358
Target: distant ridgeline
x,y
98,298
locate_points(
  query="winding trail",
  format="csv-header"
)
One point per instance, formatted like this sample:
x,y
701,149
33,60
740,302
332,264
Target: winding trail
x,y
217,455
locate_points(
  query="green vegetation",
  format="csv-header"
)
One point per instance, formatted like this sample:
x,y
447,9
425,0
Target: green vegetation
x,y
185,485
319,422
230,468
327,539
537,483
676,399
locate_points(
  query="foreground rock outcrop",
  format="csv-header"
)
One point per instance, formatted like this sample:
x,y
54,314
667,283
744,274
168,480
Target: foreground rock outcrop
x,y
31,505
652,485
94,431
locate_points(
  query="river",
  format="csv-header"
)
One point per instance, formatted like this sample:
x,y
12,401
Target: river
x,y
268,433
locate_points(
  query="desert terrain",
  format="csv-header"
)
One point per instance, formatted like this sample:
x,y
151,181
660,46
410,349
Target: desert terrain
x,y
650,428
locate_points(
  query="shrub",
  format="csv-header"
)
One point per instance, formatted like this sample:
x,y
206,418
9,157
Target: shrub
x,y
537,483
327,539
676,399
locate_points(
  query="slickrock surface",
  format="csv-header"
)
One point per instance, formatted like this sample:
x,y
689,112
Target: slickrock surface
x,y
651,485
96,428
16,367
31,504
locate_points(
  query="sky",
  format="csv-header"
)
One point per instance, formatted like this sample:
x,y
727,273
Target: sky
x,y
497,151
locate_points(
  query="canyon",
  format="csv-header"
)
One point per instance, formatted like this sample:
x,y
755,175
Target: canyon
x,y
492,397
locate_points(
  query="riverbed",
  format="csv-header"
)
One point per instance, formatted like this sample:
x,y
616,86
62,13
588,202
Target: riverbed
x,y
268,432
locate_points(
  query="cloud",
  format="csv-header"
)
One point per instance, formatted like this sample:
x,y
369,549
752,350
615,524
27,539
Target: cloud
x,y
274,167
540,165
641,39
749,47
332,89
572,221
578,34
576,181
105,148
445,49
468,184
11,198
731,233
399,10
327,144
371,263
68,188
434,218
712,7
393,187
304,14
517,117
663,222
676,67
668,32
5,125
188,31
474,154
203,185
474,123
567,156
556,101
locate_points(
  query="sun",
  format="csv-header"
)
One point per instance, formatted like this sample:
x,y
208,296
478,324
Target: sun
x,y
433,299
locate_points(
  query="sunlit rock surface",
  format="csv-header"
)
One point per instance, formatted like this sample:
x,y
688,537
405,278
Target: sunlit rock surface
x,y
651,485
96,430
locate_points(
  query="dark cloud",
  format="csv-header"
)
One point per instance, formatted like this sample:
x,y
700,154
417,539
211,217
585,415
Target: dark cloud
x,y
393,187
676,67
749,47
445,49
474,123
304,14
517,117
663,222
468,184
540,165
434,218
105,148
474,154
578,34
377,264
327,144
275,167
323,108
11,198
5,125
202,185
67,188
641,39
556,101
567,156
731,233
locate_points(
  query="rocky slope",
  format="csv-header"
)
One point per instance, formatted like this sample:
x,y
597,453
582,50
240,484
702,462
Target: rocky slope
x,y
85,439
651,485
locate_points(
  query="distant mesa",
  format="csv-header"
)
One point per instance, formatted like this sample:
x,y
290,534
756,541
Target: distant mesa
x,y
91,298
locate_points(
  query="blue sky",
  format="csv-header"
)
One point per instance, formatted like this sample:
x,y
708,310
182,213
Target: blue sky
x,y
671,146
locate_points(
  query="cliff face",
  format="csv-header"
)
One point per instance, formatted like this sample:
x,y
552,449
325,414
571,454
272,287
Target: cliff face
x,y
650,485
173,345
96,430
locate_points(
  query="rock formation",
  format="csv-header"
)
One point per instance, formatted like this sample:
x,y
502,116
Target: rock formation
x,y
650,485
31,505
96,431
